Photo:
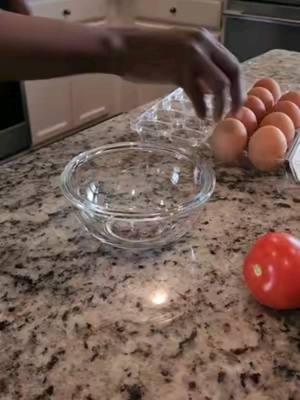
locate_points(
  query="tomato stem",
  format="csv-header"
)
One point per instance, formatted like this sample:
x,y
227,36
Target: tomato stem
x,y
257,270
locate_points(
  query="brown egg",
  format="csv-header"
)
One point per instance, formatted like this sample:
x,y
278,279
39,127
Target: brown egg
x,y
282,122
267,148
294,97
257,106
248,118
271,85
229,140
265,95
290,109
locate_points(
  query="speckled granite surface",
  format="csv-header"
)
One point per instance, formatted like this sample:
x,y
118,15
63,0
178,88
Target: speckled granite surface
x,y
81,321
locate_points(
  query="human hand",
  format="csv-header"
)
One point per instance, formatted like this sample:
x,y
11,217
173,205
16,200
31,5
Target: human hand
x,y
193,60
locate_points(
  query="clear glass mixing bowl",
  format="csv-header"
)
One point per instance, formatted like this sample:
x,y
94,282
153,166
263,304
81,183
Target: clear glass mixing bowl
x,y
138,195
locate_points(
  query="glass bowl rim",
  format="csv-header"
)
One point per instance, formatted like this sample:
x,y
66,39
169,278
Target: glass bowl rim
x,y
85,205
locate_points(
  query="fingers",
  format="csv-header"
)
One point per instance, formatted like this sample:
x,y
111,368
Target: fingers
x,y
194,90
226,61
215,79
219,102
219,69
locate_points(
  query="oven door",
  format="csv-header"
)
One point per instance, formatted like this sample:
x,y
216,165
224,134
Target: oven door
x,y
14,128
285,2
248,36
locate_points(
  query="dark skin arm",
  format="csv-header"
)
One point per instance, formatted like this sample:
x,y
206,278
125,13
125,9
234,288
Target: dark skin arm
x,y
40,48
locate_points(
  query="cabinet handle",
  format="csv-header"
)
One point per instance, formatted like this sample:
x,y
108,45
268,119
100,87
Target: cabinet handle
x,y
173,10
66,12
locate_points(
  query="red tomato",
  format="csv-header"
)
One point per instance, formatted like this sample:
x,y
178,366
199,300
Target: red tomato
x,y
272,271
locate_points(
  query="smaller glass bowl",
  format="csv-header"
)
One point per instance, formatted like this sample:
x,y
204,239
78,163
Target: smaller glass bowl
x,y
136,195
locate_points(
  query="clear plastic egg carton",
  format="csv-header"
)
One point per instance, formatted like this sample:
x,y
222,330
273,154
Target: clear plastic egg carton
x,y
173,119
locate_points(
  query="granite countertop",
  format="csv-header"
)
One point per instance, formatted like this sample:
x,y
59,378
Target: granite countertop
x,y
79,321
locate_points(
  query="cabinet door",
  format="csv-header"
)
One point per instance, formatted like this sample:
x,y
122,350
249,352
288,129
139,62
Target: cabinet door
x,y
196,13
70,10
150,92
91,98
49,108
121,12
138,94
94,96
49,101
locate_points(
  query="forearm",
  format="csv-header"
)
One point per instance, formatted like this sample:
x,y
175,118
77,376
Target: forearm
x,y
38,48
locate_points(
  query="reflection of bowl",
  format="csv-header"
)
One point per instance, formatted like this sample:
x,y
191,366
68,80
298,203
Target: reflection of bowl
x,y
137,195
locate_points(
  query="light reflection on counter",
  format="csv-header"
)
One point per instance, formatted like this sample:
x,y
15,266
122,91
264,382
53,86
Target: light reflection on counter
x,y
159,297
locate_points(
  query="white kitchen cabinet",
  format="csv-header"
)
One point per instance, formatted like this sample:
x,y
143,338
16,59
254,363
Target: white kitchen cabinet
x,y
71,10
150,92
207,13
49,108
136,94
91,98
120,12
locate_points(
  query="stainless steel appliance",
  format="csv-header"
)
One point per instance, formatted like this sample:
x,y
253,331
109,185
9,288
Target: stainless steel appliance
x,y
254,27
